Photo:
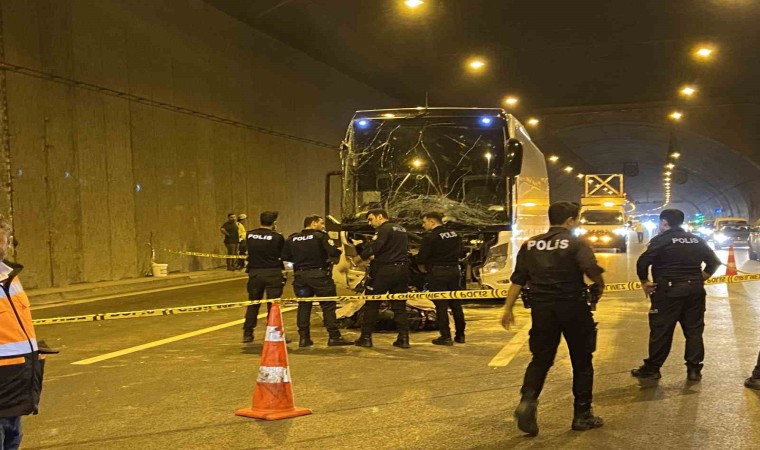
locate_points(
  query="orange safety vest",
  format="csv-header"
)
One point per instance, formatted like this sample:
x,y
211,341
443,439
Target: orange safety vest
x,y
21,365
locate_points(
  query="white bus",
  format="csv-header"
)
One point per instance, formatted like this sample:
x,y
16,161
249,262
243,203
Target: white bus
x,y
477,166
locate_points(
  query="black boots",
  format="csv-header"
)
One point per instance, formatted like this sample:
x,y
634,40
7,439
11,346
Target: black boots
x,y
338,341
247,336
402,341
443,340
752,383
304,339
694,374
584,418
526,416
459,338
646,373
365,340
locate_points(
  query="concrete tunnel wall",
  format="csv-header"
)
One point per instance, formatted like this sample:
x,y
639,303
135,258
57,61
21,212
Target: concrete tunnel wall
x,y
94,174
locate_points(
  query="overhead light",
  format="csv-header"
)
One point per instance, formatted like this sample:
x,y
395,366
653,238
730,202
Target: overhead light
x,y
676,115
511,101
533,121
580,175
488,156
704,52
675,155
389,115
670,165
486,120
668,173
568,169
417,163
413,3
362,123
688,91
476,64
554,158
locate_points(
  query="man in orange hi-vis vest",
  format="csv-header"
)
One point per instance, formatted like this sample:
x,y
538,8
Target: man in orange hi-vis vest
x,y
21,361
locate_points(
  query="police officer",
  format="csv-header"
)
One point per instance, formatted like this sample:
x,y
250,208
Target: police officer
x,y
388,273
552,266
264,268
677,293
310,252
439,259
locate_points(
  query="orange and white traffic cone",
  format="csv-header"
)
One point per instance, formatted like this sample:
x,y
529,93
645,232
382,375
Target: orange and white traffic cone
x,y
731,265
273,394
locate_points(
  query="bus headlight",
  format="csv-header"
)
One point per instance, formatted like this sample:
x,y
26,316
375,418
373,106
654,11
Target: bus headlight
x,y
606,238
593,238
497,258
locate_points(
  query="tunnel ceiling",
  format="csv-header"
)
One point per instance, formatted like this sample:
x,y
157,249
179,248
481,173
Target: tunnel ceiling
x,y
712,175
572,53
590,55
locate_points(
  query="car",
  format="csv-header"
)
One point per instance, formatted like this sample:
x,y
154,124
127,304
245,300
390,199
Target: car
x,y
754,242
731,231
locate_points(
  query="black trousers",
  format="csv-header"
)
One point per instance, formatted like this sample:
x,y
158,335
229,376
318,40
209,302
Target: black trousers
x,y
552,319
316,283
640,236
232,249
684,303
441,279
260,282
242,250
756,372
387,279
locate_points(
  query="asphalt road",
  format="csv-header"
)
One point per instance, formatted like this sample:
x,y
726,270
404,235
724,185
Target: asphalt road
x,y
174,381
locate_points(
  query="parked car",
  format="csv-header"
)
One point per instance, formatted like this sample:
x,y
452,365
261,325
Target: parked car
x,y
754,242
731,231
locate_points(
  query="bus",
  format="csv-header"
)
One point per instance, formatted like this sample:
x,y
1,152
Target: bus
x,y
477,166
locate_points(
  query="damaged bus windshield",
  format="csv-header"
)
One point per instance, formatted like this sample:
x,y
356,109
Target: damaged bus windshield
x,y
415,164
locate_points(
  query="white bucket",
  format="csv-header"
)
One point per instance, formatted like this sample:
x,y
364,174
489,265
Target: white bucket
x,y
159,270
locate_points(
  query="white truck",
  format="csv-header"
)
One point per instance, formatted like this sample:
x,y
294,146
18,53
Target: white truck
x,y
603,212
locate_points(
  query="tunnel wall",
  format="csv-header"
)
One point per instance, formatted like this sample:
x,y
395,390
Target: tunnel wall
x,y
97,173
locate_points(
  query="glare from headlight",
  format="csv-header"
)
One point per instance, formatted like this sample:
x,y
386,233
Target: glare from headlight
x,y
580,231
606,239
721,238
621,231
706,231
593,238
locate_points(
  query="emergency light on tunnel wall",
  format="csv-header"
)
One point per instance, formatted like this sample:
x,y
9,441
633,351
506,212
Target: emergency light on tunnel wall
x,y
362,123
486,121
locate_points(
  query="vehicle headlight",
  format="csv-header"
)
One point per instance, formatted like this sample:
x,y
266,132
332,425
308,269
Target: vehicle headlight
x,y
621,231
593,238
606,238
496,259
706,231
721,238
580,231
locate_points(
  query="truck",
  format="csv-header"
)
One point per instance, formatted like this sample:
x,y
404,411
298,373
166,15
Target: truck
x,y
477,166
602,214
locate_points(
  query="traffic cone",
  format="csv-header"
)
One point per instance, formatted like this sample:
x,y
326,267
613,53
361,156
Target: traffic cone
x,y
731,265
273,394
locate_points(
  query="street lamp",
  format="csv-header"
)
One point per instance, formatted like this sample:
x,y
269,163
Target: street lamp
x,y
704,52
476,64
413,3
688,91
554,158
511,101
568,169
675,155
676,115
670,165
533,121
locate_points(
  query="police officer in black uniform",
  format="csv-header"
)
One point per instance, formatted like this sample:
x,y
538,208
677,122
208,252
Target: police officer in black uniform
x,y
677,293
264,268
388,273
552,266
439,259
310,252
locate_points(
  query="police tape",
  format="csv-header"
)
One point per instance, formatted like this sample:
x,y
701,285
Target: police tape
x,y
201,254
475,294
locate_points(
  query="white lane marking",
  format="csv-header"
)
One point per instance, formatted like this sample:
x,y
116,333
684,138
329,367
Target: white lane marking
x,y
510,350
64,303
169,340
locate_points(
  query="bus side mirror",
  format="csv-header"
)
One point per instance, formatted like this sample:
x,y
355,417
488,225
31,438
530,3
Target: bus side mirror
x,y
513,158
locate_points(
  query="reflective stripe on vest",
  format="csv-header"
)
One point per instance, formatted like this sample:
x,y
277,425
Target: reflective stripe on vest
x,y
16,333
17,348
